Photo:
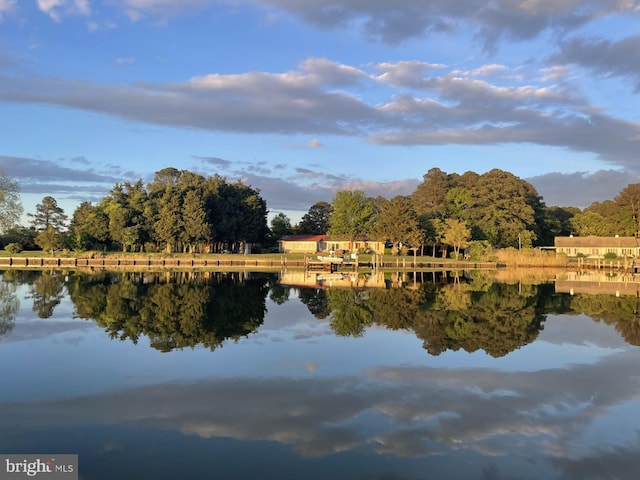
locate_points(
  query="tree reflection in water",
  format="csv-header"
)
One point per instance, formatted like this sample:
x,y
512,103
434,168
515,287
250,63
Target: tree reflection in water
x,y
446,310
174,310
9,303
47,291
454,313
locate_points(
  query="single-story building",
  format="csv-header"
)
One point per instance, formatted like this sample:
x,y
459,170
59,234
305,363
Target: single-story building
x,y
597,247
324,243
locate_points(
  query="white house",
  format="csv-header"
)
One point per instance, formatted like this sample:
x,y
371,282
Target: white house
x,y
324,243
597,247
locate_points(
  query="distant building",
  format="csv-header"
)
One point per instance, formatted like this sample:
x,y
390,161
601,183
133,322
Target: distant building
x,y
597,247
324,243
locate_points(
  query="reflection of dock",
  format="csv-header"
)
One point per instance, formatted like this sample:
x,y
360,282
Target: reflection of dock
x,y
331,263
595,283
320,280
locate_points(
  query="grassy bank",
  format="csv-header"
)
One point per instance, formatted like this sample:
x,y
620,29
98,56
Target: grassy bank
x,y
530,257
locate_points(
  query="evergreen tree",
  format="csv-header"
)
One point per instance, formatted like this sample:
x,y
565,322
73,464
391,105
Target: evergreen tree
x,y
48,214
316,220
197,231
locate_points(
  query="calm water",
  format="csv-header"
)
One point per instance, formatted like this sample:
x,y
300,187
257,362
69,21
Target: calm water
x,y
176,376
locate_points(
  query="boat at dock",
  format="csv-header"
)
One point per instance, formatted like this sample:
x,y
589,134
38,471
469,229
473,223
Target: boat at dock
x,y
330,259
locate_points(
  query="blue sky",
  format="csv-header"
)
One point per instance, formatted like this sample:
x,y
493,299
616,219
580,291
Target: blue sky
x,y
302,99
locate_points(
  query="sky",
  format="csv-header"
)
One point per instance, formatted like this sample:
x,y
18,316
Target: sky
x,y
301,99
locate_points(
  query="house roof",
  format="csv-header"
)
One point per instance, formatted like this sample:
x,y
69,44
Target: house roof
x,y
318,238
302,238
595,242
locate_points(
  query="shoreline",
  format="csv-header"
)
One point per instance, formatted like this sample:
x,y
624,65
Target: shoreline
x,y
110,262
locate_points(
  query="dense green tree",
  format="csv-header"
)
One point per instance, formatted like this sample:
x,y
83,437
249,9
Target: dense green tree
x,y
629,201
281,226
253,211
588,223
555,222
397,222
89,227
458,202
606,208
48,214
197,231
504,207
456,234
50,239
169,226
10,205
429,198
497,205
316,220
353,214
616,220
432,229
125,207
164,179
237,213
24,236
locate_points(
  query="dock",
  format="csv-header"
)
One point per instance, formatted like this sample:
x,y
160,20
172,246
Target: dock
x,y
113,262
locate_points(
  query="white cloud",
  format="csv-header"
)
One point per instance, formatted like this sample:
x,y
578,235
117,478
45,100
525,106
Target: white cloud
x,y
7,7
125,61
56,9
324,97
163,9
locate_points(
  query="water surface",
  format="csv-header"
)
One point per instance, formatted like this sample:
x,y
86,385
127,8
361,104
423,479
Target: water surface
x,y
237,375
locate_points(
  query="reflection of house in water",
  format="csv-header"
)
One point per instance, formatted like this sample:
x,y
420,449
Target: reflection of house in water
x,y
312,279
594,283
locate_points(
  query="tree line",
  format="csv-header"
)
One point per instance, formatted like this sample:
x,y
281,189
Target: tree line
x,y
449,212
182,211
179,211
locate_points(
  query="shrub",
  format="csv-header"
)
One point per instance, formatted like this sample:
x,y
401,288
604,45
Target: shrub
x,y
610,256
480,250
13,248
